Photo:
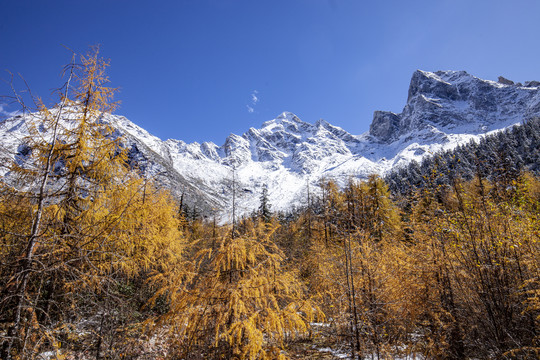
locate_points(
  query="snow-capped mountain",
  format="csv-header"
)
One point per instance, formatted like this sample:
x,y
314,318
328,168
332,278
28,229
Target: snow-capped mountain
x,y
444,109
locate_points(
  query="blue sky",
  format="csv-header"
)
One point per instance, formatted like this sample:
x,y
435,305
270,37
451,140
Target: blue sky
x,y
197,70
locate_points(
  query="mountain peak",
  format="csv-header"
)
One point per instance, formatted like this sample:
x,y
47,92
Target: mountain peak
x,y
285,118
287,115
458,102
446,75
444,109
441,83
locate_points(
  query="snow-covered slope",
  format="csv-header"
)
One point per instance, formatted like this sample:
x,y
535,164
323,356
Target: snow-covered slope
x,y
444,109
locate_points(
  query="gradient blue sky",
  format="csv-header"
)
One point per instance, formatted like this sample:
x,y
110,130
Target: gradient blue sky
x,y
188,69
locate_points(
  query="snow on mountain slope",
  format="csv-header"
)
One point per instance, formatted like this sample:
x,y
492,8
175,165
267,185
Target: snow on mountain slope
x,y
444,109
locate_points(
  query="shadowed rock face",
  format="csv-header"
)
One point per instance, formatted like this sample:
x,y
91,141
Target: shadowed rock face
x,y
385,126
505,81
432,84
450,99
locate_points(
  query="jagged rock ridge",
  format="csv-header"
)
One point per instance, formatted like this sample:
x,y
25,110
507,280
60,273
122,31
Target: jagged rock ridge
x,y
444,109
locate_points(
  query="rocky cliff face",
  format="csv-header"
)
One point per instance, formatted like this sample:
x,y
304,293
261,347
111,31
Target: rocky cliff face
x,y
456,102
444,109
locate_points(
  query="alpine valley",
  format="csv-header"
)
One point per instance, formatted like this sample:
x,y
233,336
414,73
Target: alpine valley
x,y
444,109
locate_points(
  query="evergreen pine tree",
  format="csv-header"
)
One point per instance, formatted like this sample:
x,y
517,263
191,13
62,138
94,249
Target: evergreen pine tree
x,y
264,207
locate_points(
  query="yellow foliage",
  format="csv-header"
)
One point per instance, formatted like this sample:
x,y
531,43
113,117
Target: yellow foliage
x,y
238,301
92,225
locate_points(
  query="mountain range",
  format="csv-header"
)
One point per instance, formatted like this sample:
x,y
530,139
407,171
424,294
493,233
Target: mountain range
x,y
287,155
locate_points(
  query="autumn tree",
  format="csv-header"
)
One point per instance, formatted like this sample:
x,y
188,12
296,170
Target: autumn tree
x,y
94,221
238,302
474,245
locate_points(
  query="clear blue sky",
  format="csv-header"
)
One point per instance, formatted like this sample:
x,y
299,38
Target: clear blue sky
x,y
188,69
